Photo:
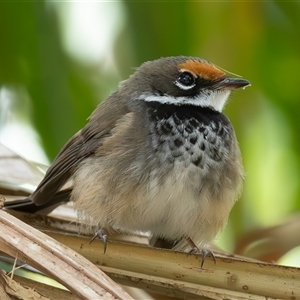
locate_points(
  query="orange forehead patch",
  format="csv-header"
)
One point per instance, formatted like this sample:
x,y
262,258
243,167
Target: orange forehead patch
x,y
202,69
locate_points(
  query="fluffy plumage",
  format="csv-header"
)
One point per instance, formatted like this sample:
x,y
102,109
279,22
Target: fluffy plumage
x,y
157,155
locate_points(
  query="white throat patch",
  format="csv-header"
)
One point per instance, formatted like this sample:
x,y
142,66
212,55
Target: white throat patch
x,y
207,98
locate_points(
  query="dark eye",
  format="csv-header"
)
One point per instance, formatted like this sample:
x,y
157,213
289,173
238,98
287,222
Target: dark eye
x,y
185,81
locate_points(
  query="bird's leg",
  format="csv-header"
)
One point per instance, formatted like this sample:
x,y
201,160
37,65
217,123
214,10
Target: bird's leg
x,y
204,252
102,235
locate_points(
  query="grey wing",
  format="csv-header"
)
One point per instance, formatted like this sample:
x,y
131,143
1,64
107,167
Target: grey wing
x,y
62,168
48,194
80,146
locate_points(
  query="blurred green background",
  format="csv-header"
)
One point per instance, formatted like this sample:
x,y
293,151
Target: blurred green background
x,y
58,60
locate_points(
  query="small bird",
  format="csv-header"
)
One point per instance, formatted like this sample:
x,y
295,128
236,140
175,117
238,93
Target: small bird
x,y
158,156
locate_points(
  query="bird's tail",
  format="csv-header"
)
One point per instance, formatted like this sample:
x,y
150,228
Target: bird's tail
x,y
26,205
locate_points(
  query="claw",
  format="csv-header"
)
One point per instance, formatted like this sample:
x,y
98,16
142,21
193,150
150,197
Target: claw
x,y
204,252
102,235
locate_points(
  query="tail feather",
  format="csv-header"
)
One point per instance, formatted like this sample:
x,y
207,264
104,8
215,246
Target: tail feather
x,y
26,205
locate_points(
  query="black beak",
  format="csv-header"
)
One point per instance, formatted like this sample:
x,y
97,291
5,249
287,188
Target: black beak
x,y
231,83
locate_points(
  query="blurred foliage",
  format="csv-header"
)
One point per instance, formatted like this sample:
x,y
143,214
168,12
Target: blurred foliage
x,y
258,40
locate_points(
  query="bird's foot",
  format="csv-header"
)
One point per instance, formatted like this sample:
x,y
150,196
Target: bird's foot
x,y
204,252
102,235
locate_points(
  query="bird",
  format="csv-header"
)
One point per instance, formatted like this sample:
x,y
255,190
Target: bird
x,y
158,155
